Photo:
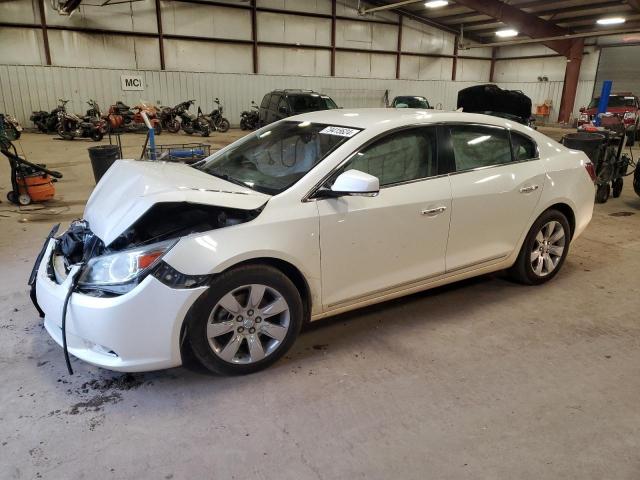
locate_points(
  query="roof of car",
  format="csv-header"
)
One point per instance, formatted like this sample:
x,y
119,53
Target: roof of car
x,y
385,118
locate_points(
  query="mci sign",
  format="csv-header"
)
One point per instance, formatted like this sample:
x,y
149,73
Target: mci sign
x,y
132,82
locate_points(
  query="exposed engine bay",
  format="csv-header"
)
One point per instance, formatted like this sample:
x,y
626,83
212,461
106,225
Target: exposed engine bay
x,y
163,221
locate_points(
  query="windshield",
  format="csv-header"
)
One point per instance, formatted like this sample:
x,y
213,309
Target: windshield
x,y
615,101
411,102
310,103
271,161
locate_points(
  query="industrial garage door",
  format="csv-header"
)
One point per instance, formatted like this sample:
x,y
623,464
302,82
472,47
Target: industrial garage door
x,y
620,65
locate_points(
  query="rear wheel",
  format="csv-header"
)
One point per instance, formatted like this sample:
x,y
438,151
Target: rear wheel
x,y
173,126
544,249
248,319
617,185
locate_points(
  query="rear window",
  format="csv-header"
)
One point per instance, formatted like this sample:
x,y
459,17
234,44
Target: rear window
x,y
310,103
616,101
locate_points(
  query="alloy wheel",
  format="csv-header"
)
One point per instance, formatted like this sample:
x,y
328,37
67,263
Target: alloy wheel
x,y
548,248
248,324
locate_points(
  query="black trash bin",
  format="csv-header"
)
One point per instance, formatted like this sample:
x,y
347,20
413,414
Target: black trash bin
x,y
102,157
589,143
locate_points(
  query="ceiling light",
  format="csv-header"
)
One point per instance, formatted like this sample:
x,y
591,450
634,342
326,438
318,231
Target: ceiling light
x,y
436,3
610,21
509,32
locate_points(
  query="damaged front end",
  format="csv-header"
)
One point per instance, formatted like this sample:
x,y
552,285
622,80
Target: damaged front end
x,y
116,268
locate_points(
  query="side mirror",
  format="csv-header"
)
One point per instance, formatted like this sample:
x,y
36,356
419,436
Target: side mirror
x,y
355,182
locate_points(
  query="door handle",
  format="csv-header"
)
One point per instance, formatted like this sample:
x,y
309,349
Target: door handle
x,y
529,189
432,212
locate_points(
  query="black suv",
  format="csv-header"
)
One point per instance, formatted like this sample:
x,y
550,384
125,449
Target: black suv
x,y
281,104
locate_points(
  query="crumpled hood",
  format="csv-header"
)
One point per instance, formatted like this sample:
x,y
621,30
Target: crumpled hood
x,y
131,187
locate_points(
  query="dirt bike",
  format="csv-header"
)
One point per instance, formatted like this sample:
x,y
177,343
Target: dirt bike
x,y
47,122
249,118
122,118
91,126
216,120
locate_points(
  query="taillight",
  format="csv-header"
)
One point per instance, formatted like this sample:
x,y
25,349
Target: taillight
x,y
629,117
591,170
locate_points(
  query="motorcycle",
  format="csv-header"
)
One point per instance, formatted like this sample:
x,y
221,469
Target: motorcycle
x,y
216,120
123,118
249,118
47,122
11,126
92,126
169,119
191,123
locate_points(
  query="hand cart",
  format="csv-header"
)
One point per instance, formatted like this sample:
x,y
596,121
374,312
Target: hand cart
x,y
604,146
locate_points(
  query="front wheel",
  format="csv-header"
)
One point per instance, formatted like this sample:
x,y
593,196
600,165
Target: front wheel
x,y
602,192
96,135
173,126
223,125
248,319
544,249
64,134
616,189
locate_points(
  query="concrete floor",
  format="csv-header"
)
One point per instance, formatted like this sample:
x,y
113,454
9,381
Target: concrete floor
x,y
480,380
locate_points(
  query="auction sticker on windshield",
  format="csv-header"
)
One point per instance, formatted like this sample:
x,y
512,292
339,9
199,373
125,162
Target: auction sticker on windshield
x,y
341,131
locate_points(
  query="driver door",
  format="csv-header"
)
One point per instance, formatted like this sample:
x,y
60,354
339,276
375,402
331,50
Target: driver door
x,y
374,245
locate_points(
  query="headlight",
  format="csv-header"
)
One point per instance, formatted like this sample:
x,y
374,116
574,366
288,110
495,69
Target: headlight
x,y
584,117
629,115
120,272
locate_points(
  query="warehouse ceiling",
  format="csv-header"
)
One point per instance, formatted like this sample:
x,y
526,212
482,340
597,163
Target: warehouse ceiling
x,y
577,16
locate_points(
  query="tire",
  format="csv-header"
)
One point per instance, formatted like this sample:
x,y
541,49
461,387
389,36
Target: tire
x,y
15,133
616,189
173,126
636,181
223,125
96,135
24,199
631,139
523,270
12,197
602,192
205,131
63,133
226,349
157,128
243,125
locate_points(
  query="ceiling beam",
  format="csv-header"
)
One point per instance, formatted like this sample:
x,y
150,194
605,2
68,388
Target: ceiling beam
x,y
527,23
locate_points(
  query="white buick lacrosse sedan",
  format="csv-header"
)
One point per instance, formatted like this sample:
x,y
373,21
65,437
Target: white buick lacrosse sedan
x,y
306,218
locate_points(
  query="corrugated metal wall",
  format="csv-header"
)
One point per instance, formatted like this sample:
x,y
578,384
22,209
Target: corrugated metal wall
x,y
27,88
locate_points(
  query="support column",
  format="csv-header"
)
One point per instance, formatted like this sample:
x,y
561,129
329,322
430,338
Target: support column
x,y
455,59
399,50
492,70
45,36
571,76
254,34
333,38
160,34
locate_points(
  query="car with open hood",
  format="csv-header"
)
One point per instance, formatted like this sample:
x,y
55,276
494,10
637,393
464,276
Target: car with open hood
x,y
306,218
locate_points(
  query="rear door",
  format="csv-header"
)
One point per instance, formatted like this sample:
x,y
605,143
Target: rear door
x,y
494,192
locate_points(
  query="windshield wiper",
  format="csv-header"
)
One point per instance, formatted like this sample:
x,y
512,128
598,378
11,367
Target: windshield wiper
x,y
228,178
